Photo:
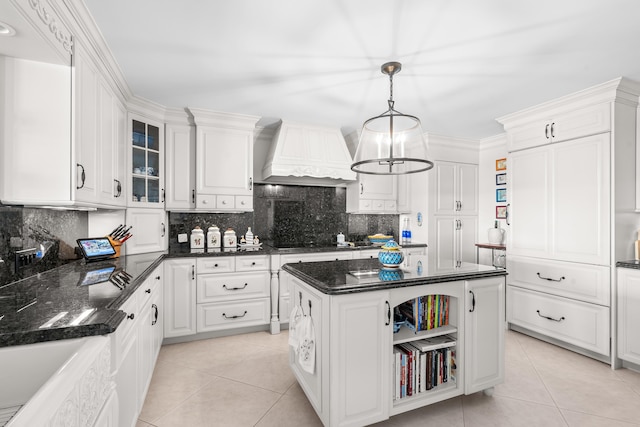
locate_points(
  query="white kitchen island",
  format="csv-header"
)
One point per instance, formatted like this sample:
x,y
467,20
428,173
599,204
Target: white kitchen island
x,y
352,305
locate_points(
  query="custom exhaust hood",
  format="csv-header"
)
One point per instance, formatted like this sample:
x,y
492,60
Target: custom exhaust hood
x,y
309,155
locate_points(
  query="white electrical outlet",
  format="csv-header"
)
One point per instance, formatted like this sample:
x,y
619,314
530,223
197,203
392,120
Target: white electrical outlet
x,y
182,238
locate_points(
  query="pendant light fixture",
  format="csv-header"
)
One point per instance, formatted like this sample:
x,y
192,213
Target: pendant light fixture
x,y
391,143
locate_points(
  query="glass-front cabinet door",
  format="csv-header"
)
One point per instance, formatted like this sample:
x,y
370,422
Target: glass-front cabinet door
x,y
147,163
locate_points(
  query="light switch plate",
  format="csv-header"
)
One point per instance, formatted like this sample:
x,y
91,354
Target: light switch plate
x,y
182,238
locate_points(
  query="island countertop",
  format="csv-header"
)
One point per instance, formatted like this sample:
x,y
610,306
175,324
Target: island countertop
x,y
364,275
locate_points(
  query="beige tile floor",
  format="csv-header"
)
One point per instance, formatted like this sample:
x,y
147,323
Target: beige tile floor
x,y
244,380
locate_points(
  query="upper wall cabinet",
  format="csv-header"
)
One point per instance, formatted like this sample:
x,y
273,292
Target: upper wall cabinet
x,y
71,153
146,154
455,188
100,123
224,161
180,162
373,194
561,126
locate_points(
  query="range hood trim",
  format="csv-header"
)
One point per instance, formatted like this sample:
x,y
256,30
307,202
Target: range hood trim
x,y
307,151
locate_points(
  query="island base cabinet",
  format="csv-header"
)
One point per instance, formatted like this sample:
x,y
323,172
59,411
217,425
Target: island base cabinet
x,y
359,356
356,375
484,334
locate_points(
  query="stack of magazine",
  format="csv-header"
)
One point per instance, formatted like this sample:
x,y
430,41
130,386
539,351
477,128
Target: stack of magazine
x,y
423,365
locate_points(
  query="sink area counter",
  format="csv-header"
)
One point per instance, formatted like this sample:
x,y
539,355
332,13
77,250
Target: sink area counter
x,y
361,275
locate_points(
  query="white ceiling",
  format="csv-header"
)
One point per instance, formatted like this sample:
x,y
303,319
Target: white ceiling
x,y
465,62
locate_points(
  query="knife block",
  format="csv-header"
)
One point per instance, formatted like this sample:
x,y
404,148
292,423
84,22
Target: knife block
x,y
116,245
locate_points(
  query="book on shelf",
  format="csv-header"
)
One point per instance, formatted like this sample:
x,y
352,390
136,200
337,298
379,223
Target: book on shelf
x,y
420,371
426,312
434,343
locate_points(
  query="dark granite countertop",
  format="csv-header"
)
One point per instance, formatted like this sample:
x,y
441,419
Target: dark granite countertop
x,y
28,306
364,275
44,307
629,264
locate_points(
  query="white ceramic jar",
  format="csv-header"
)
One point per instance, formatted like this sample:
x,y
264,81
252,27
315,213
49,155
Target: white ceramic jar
x,y
230,239
213,237
197,238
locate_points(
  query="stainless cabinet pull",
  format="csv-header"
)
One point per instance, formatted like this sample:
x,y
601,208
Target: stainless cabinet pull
x,y
546,131
473,302
155,316
148,291
131,316
118,188
235,316
193,272
550,318
250,183
193,196
82,176
164,229
162,196
237,288
361,188
388,322
552,125
550,279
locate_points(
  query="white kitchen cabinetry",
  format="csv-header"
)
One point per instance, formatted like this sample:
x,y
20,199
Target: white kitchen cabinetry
x,y
224,161
484,334
180,163
232,292
151,329
373,194
149,229
561,126
282,299
453,240
87,159
628,315
455,187
557,192
453,224
567,221
100,135
179,297
353,382
146,160
135,351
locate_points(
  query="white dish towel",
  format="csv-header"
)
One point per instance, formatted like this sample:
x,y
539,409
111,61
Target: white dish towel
x,y
307,345
294,327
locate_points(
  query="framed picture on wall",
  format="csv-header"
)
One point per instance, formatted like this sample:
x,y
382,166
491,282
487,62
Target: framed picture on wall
x,y
501,212
501,164
501,179
501,195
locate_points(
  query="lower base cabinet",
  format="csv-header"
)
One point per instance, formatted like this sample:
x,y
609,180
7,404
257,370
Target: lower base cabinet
x,y
137,343
629,315
354,377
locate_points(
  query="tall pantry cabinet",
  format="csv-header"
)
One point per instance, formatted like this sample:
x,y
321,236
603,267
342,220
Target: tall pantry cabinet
x,y
453,226
571,214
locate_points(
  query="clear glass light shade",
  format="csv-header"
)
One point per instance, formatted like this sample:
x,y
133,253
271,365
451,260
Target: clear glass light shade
x,y
391,144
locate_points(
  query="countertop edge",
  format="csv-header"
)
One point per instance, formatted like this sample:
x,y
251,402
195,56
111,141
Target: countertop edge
x,y
290,268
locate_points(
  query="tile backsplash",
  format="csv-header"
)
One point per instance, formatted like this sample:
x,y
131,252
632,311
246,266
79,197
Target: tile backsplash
x,y
290,215
52,231
284,215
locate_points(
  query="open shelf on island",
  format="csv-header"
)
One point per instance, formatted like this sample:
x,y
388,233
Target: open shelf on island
x,y
406,334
